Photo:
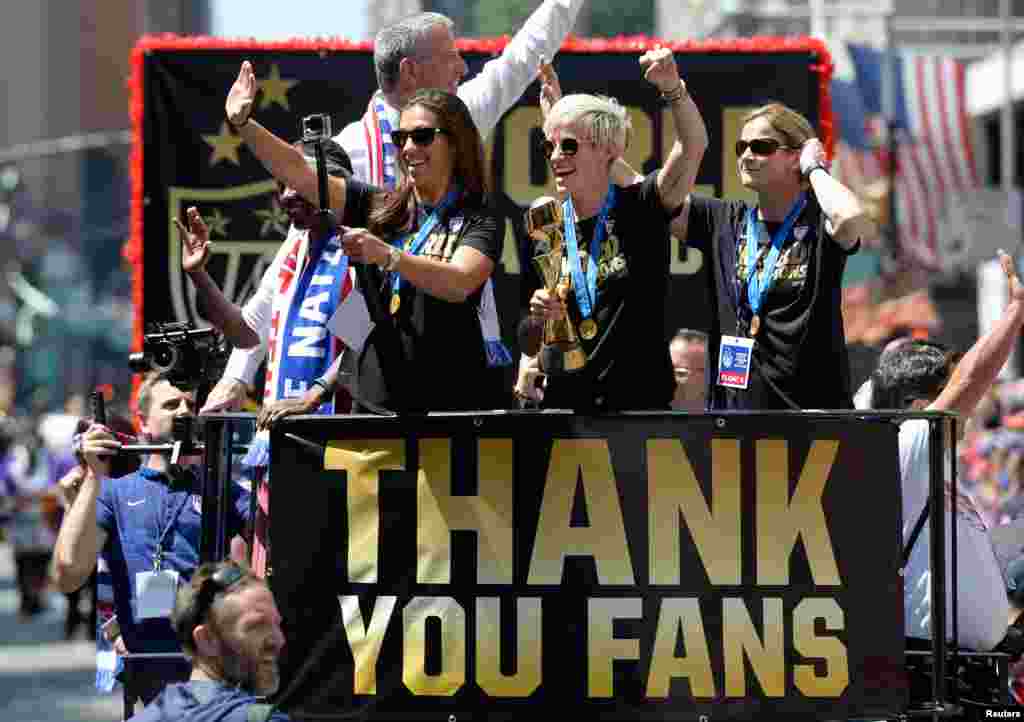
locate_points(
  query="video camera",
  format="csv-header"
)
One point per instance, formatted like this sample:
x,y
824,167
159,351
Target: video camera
x,y
187,356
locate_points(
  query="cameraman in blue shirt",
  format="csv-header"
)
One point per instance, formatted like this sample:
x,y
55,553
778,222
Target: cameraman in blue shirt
x,y
146,523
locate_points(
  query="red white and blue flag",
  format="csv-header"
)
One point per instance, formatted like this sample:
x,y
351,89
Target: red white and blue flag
x,y
935,157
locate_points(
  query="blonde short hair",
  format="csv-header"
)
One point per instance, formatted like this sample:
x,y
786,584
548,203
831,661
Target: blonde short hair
x,y
602,119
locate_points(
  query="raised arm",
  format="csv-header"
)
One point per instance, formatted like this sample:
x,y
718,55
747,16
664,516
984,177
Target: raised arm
x,y
849,220
977,370
284,161
679,173
503,80
195,252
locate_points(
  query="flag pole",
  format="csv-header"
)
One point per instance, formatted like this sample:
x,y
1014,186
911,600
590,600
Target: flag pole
x,y
889,79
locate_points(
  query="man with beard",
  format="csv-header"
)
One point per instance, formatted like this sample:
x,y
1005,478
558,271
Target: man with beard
x,y
147,524
288,315
229,626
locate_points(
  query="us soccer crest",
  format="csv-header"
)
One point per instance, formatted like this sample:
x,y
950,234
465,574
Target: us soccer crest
x,y
247,226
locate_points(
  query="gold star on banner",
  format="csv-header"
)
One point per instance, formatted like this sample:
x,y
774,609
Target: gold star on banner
x,y
218,223
275,89
225,145
274,218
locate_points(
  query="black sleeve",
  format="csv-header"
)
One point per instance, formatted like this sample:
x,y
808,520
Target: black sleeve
x,y
651,200
700,227
357,202
485,232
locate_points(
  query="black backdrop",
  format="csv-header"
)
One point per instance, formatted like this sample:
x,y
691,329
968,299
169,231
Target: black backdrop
x,y
184,155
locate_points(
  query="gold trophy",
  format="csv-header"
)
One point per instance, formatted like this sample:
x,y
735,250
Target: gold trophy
x,y
560,350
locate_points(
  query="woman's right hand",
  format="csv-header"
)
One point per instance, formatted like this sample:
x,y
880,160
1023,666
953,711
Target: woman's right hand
x,y
238,105
546,306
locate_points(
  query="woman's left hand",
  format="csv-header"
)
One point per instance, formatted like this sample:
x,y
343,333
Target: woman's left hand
x,y
660,69
812,153
361,246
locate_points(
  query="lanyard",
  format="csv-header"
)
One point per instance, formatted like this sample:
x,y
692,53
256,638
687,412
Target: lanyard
x,y
416,245
159,557
757,284
586,288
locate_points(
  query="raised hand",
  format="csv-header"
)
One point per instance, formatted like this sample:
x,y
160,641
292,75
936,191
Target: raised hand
x,y
812,153
240,98
195,241
1014,287
550,88
660,69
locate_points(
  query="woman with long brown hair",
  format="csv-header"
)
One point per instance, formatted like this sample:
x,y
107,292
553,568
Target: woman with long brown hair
x,y
430,245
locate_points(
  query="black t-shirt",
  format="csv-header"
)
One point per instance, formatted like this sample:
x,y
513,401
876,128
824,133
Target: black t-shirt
x,y
800,350
435,355
628,365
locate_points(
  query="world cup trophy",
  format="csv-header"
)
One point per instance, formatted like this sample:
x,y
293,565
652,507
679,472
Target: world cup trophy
x,y
560,350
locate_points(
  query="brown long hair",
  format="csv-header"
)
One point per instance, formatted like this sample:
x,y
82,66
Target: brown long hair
x,y
391,212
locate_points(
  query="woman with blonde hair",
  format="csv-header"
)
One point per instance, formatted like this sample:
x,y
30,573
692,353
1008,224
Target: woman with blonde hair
x,y
775,270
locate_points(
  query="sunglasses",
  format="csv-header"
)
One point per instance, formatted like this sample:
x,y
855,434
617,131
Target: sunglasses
x,y
568,146
217,583
760,146
420,136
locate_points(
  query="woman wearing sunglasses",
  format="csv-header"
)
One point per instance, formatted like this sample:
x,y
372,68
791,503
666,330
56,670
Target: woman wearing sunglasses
x,y
430,246
777,266
616,248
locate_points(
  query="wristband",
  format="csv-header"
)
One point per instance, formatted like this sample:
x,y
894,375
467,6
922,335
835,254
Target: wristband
x,y
816,166
237,126
674,95
322,384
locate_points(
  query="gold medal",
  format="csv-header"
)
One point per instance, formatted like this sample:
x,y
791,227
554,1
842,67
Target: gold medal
x,y
396,302
755,326
588,328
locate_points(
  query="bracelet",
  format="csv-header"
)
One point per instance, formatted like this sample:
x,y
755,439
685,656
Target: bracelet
x,y
394,256
322,384
238,126
673,96
816,166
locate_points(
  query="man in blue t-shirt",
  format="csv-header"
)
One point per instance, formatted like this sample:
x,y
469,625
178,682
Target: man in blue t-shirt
x,y
229,626
146,523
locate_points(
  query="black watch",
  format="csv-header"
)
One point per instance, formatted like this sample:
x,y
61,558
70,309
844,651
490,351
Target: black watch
x,y
816,166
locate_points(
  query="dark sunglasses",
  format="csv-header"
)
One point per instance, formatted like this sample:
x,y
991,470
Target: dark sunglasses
x,y
569,146
217,583
759,146
420,136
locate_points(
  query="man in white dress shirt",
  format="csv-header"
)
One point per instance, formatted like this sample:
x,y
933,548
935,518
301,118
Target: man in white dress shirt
x,y
414,53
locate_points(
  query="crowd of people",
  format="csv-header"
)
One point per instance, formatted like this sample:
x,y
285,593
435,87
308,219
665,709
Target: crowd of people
x,y
361,312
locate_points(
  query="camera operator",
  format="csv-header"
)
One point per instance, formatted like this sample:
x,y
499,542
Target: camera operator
x,y
146,523
229,626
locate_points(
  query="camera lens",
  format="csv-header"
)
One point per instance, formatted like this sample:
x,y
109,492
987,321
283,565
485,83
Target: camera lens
x,y
138,362
165,358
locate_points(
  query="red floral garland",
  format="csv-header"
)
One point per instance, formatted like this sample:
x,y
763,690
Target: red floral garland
x,y
133,249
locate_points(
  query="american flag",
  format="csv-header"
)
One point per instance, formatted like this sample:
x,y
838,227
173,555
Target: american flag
x,y
935,159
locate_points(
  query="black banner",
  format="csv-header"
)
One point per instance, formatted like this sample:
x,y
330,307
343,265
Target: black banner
x,y
633,567
185,154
